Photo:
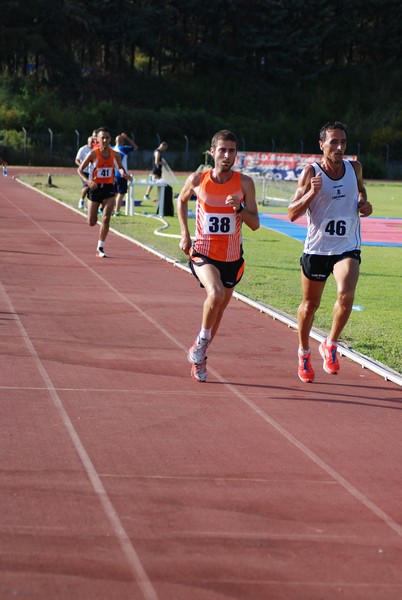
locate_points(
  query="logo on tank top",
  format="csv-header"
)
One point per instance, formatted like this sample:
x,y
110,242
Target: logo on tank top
x,y
338,193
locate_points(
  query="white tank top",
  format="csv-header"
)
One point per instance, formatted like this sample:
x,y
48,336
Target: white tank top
x,y
333,216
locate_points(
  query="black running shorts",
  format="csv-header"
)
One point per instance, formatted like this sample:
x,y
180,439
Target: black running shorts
x,y
121,184
230,272
318,267
104,191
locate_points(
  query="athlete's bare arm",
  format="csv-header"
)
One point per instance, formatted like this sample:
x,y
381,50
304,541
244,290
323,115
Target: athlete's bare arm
x,y
250,213
364,205
308,187
187,191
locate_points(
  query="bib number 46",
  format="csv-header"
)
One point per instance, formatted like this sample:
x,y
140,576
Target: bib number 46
x,y
337,228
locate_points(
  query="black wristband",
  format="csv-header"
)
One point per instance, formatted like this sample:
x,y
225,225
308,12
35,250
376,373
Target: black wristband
x,y
241,207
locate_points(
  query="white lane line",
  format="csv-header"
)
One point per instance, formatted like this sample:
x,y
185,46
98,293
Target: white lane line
x,y
349,487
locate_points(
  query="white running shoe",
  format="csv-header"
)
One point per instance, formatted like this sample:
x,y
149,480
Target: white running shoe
x,y
81,203
100,252
199,372
196,354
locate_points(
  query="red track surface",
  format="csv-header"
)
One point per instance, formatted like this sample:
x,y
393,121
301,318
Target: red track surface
x,y
121,478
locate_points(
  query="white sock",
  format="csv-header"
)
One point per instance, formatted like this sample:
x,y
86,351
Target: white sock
x,y
330,342
304,352
100,244
205,333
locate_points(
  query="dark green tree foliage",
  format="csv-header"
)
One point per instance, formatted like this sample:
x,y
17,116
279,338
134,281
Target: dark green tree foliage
x,y
266,37
273,68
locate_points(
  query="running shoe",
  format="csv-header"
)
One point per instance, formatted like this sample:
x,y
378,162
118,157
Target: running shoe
x,y
305,370
199,372
330,360
100,252
81,203
146,198
196,354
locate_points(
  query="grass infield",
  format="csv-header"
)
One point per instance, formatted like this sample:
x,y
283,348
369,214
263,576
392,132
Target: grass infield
x,y
272,274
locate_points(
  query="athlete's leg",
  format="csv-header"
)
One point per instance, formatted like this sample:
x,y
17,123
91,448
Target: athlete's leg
x,y
108,206
217,298
84,192
92,214
226,300
119,202
346,274
311,298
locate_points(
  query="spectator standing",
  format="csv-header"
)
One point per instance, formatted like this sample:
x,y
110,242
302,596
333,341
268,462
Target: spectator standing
x,y
158,161
4,165
81,155
124,146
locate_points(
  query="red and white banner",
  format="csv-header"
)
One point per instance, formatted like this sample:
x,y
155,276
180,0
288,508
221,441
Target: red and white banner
x,y
276,165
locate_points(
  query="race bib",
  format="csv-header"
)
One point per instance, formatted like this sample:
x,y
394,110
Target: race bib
x,y
104,173
335,227
219,224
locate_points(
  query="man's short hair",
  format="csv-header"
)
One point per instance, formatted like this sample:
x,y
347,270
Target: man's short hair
x,y
226,135
330,126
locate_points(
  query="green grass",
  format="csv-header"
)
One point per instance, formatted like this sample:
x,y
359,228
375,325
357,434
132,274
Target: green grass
x,y
272,275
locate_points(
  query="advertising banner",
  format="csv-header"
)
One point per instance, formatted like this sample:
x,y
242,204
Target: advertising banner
x,y
276,165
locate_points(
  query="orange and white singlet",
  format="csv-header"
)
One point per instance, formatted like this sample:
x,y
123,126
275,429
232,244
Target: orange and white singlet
x,y
103,168
218,227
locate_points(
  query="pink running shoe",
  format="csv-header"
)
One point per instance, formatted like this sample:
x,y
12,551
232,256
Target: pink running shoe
x,y
330,360
305,370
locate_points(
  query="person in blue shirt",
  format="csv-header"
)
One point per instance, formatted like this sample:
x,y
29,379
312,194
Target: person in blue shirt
x,y
124,146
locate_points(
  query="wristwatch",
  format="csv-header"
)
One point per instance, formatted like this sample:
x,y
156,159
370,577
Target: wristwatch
x,y
241,207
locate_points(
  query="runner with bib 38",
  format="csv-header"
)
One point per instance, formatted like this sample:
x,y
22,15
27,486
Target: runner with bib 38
x,y
225,200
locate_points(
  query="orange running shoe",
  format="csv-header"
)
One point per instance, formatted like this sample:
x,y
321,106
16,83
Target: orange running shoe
x,y
305,370
330,360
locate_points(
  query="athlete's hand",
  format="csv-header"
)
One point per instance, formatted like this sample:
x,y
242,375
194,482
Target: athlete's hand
x,y
92,184
365,208
233,200
316,183
185,244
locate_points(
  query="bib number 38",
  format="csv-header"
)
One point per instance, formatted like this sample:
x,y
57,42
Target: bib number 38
x,y
219,224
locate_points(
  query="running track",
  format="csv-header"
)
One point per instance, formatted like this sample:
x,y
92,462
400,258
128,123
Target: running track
x,y
376,231
121,478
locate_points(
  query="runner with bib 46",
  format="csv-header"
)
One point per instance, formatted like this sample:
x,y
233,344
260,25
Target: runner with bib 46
x,y
331,193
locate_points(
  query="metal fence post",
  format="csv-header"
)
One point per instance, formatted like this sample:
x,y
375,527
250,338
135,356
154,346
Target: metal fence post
x,y
51,142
